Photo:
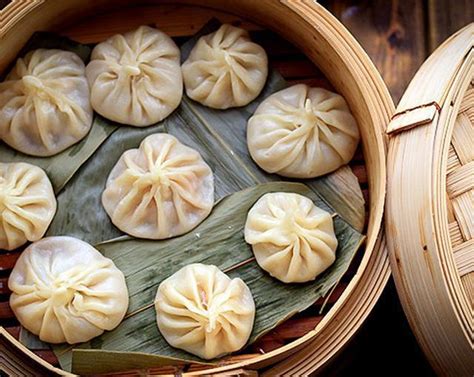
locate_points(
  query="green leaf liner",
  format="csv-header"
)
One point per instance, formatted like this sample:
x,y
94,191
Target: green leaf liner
x,y
220,137
218,241
80,212
62,166
93,362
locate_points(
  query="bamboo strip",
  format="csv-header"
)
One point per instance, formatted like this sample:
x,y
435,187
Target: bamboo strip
x,y
17,347
455,234
463,206
463,137
466,105
464,257
453,160
461,180
468,283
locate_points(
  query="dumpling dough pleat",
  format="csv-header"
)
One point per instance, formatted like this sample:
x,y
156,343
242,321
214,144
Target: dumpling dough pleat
x,y
160,190
44,103
136,78
292,239
225,69
202,311
302,132
64,290
27,204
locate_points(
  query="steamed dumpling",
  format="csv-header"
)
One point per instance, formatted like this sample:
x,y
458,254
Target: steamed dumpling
x,y
292,239
302,132
64,290
135,78
160,190
27,204
201,310
225,69
44,103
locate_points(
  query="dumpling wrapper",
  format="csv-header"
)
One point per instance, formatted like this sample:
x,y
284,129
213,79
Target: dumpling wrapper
x,y
135,78
302,132
27,204
160,190
201,310
225,69
64,290
44,103
291,238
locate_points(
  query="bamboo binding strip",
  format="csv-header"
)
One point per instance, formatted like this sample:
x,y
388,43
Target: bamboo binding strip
x,y
328,44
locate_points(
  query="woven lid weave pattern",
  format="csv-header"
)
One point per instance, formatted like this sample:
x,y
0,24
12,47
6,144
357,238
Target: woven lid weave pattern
x,y
460,192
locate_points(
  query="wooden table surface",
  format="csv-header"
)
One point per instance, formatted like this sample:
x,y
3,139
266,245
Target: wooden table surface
x,y
398,36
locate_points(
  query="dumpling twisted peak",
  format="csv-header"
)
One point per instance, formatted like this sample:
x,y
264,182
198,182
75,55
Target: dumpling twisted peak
x,y
44,103
302,132
202,311
27,204
64,290
225,69
135,77
291,238
160,190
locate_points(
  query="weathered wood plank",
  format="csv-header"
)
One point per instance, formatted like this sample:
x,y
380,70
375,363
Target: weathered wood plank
x,y
391,32
446,17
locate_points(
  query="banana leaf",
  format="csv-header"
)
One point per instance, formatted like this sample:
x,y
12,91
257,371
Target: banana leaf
x,y
61,167
220,137
80,212
218,241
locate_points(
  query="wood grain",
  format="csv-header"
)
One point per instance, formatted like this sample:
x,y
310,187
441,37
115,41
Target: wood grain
x,y
446,17
391,32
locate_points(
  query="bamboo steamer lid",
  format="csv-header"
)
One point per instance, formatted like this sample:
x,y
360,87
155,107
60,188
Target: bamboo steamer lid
x,y
430,204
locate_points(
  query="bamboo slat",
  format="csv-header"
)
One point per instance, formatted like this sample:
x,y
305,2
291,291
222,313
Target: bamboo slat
x,y
430,207
336,53
9,348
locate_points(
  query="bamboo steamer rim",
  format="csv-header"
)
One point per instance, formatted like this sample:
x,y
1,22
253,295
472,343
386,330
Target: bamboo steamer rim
x,y
313,29
438,305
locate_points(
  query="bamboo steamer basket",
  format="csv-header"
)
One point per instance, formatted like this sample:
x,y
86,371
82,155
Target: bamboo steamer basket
x,y
430,205
332,48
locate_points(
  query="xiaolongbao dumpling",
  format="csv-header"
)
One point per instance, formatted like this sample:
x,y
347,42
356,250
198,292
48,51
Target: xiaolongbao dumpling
x,y
64,290
135,78
302,132
225,69
44,103
160,190
27,204
292,239
201,310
